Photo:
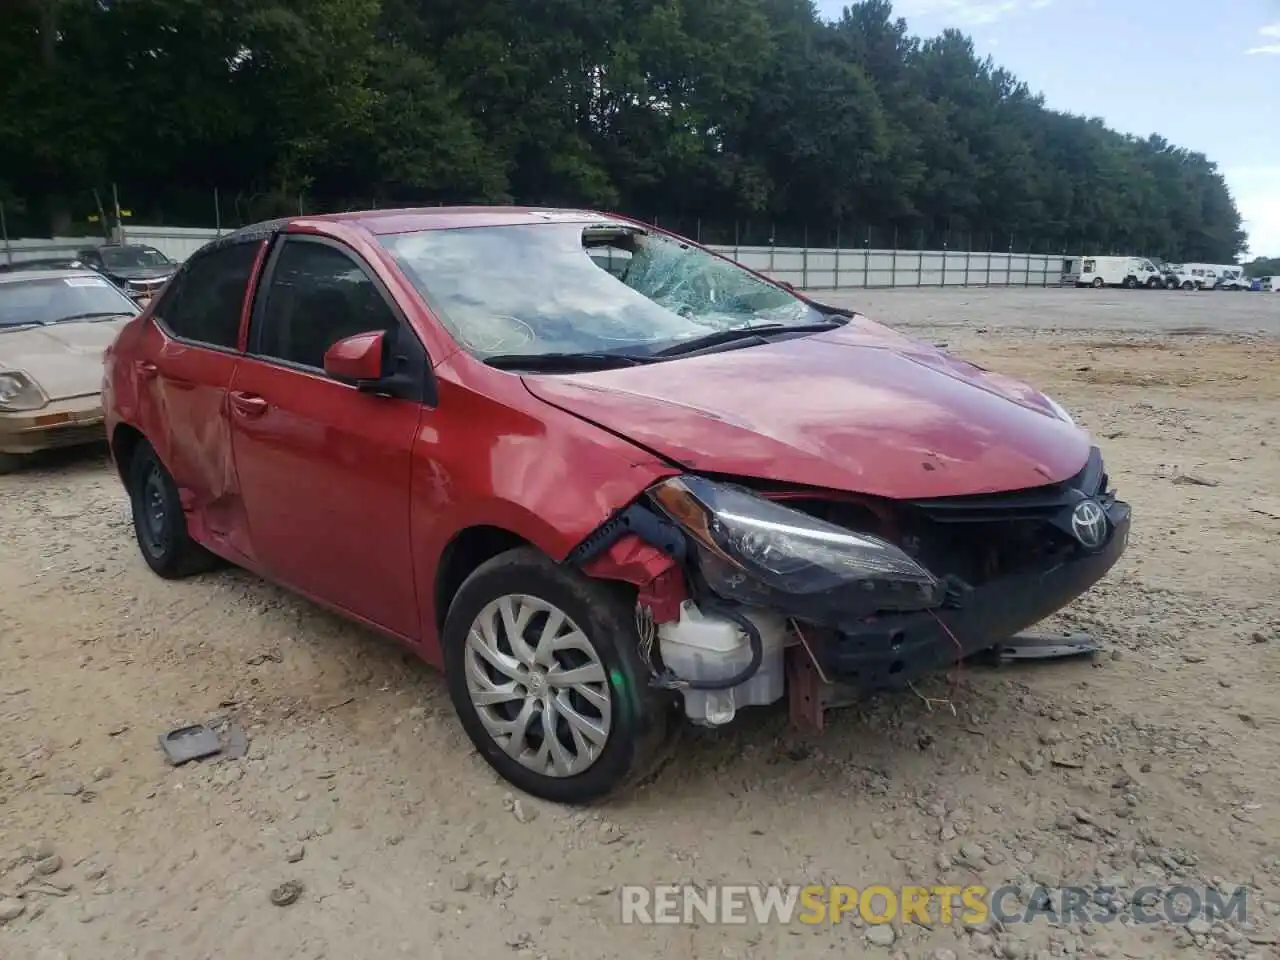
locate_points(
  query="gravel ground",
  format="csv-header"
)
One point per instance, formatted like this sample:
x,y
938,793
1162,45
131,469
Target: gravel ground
x,y
1154,764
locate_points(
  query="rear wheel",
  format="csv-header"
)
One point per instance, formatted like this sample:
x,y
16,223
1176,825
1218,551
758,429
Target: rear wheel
x,y
159,521
544,671
1098,283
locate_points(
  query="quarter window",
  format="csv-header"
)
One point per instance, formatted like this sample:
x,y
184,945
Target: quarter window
x,y
203,302
318,296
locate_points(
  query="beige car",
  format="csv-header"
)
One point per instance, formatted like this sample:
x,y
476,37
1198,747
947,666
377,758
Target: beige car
x,y
54,326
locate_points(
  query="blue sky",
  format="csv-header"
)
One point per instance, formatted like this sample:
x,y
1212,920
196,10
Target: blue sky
x,y
1203,75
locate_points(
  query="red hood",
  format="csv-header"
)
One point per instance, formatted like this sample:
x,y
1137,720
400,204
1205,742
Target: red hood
x,y
860,409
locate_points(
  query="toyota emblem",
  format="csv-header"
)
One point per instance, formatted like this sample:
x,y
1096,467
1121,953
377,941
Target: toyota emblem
x,y
1089,524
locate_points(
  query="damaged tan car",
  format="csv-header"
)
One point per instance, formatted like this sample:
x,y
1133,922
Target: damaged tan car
x,y
54,326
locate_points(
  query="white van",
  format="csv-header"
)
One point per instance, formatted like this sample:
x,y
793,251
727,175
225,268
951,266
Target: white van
x,y
1130,272
1179,277
1206,276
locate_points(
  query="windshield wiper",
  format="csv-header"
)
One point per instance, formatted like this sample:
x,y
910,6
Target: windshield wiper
x,y
550,362
722,337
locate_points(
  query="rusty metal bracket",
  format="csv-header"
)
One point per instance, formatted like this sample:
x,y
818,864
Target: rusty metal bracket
x,y
806,690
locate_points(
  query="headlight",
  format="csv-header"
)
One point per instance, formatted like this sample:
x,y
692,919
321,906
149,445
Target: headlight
x,y
1057,408
759,552
20,392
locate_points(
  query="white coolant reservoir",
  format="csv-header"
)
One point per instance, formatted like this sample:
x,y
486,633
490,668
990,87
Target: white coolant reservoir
x,y
706,646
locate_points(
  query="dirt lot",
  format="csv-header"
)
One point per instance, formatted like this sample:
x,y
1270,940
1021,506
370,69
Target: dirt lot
x,y
1155,764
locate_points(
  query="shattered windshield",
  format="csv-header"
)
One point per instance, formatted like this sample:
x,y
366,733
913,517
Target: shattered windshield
x,y
559,288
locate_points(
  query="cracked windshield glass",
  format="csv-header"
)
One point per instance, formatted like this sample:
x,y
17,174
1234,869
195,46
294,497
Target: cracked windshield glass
x,y
562,289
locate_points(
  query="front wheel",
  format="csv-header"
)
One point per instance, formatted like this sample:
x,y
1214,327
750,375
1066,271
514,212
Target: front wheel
x,y
544,671
1188,285
1130,283
1098,283
159,521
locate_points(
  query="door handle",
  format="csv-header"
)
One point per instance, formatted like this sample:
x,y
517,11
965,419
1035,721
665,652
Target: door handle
x,y
248,404
147,370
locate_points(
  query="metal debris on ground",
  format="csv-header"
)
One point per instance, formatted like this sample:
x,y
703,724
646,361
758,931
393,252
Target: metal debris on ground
x,y
1191,480
193,742
1029,646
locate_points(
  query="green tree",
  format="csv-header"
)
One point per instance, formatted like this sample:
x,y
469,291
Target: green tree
x,y
715,109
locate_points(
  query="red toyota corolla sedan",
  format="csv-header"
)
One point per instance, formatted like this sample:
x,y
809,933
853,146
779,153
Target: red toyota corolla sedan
x,y
609,481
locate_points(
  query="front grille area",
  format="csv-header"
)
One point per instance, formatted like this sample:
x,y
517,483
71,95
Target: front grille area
x,y
976,539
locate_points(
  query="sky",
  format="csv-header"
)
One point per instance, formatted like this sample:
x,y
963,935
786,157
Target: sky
x,y
1205,76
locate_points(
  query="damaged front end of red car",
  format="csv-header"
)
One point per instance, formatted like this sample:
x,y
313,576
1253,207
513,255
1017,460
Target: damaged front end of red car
x,y
749,592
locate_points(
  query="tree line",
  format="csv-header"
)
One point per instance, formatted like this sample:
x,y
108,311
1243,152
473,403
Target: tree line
x,y
709,109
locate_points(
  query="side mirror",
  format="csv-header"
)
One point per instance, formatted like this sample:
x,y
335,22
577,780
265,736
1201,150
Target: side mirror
x,y
788,285
357,359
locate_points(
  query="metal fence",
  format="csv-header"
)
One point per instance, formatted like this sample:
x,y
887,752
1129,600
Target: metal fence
x,y
175,242
836,269
808,268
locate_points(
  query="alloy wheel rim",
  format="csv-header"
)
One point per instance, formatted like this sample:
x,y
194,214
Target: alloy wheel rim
x,y
538,686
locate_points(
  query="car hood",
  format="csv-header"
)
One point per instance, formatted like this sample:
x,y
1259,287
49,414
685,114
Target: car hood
x,y
860,409
64,359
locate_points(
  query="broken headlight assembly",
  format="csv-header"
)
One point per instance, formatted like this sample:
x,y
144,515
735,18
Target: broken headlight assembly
x,y
757,552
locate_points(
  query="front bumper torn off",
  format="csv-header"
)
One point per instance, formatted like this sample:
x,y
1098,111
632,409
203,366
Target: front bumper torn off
x,y
890,652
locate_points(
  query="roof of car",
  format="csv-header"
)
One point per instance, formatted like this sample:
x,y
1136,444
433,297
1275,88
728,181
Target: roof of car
x,y
409,219
442,218
413,219
43,263
17,276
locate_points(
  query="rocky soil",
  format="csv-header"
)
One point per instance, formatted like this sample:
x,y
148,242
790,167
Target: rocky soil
x,y
358,823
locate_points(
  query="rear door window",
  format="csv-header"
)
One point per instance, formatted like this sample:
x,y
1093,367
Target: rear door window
x,y
204,301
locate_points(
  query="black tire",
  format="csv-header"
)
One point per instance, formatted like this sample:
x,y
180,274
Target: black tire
x,y
159,522
1098,283
1155,283
644,720
1188,285
1131,283
9,462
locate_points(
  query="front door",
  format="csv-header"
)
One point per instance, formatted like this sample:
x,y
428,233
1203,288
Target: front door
x,y
324,469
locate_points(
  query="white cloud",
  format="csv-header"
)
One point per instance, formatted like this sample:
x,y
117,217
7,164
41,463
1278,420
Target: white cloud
x,y
1270,32
1257,193
967,12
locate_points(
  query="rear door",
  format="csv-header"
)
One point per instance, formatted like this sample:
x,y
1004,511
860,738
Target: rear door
x,y
185,367
325,468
